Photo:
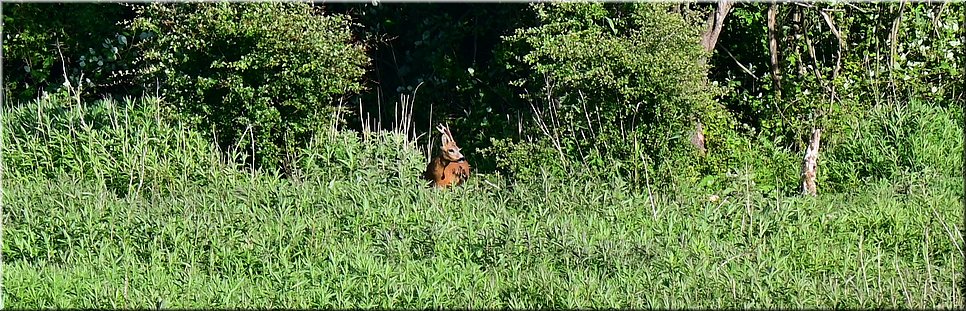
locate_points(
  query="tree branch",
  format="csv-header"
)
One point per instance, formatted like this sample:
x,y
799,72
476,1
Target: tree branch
x,y
748,71
773,47
838,35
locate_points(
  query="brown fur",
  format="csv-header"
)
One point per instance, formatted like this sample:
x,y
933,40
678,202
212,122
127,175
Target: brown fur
x,y
449,167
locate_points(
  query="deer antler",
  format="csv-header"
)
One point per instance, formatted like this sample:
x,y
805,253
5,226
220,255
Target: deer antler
x,y
444,129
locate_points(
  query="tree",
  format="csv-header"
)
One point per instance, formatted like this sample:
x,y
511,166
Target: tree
x,y
829,63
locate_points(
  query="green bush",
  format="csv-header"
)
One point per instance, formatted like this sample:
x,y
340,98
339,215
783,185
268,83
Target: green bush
x,y
622,82
273,71
94,45
524,160
885,53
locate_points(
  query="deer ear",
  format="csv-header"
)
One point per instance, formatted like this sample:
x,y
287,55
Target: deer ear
x,y
446,137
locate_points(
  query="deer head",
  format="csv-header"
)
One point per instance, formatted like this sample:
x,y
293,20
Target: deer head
x,y
449,150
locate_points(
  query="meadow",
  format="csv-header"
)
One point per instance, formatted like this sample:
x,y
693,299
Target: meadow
x,y
113,205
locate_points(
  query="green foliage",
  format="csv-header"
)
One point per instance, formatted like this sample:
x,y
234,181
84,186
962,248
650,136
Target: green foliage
x,y
623,81
929,55
150,203
524,160
272,72
95,48
886,52
772,167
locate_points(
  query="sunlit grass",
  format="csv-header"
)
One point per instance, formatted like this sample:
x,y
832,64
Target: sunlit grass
x,y
140,213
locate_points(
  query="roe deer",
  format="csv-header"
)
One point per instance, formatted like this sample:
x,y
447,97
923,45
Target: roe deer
x,y
449,167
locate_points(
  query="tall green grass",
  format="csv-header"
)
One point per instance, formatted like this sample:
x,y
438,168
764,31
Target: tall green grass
x,y
115,206
897,142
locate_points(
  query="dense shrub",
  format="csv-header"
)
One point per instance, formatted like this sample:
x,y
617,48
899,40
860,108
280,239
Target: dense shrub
x,y
95,47
600,85
612,83
878,56
272,71
525,160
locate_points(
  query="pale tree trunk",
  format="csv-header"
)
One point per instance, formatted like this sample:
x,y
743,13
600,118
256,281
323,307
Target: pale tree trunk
x,y
708,40
810,165
697,137
810,168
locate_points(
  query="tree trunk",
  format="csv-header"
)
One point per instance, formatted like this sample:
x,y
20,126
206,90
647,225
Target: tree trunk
x,y
810,168
715,23
697,138
708,40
